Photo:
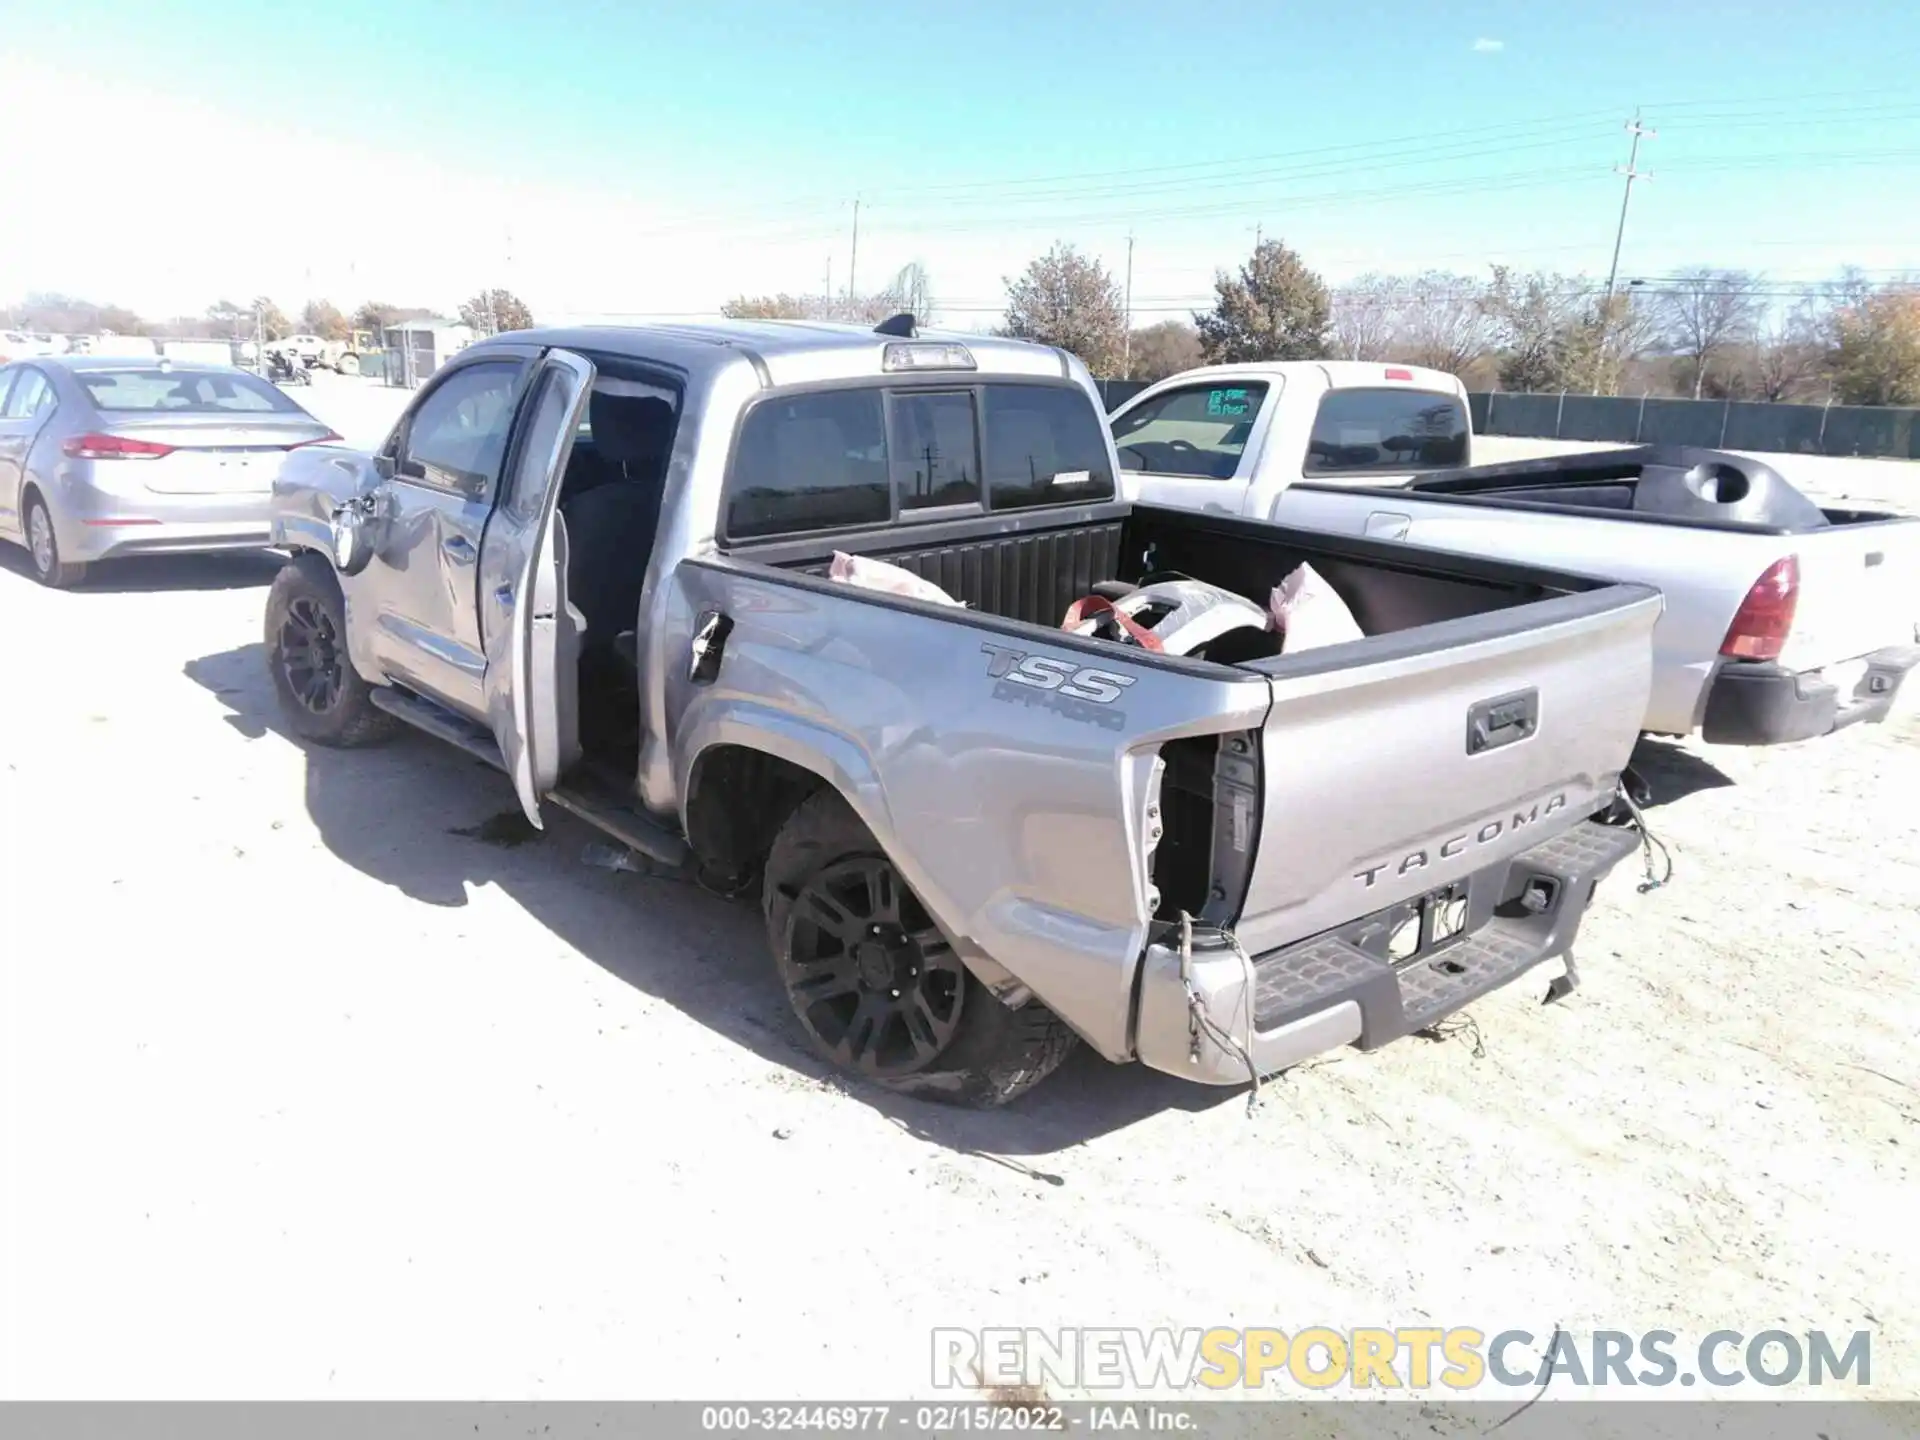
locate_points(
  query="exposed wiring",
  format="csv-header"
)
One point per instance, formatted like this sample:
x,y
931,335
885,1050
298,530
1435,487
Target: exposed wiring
x,y
1199,1022
1649,844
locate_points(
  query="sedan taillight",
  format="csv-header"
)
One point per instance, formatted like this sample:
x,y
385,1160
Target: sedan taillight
x,y
112,447
329,438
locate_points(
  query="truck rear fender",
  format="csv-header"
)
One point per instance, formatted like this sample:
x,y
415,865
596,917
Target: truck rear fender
x,y
1024,812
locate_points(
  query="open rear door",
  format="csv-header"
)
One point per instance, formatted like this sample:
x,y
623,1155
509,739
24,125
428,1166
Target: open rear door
x,y
530,633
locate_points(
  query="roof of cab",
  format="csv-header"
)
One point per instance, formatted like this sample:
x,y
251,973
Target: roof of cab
x,y
1340,374
789,351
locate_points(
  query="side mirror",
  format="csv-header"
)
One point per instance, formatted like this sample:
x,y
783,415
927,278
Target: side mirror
x,y
352,540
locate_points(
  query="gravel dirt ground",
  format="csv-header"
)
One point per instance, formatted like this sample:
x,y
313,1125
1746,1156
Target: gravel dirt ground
x,y
321,1076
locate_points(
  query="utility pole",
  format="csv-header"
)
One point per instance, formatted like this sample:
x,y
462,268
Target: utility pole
x,y
1126,368
1636,130
853,259
828,292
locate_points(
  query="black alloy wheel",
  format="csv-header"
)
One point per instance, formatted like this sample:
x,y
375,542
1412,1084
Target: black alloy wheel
x,y
869,974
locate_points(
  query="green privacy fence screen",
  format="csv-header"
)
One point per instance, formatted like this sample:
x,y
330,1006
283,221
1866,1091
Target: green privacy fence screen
x,y
1861,430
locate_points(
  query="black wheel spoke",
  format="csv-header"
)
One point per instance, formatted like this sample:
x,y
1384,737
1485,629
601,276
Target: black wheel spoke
x,y
827,981
862,1030
923,1027
830,915
883,894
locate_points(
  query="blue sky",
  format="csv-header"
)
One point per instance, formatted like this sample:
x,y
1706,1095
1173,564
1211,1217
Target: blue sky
x,y
606,158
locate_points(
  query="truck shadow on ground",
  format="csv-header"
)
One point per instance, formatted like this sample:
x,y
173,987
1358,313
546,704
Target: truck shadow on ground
x,y
431,822
1672,772
152,574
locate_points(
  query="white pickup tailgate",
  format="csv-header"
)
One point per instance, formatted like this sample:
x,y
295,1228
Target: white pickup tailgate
x,y
1859,592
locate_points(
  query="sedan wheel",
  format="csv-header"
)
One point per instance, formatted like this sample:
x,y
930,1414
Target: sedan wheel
x,y
44,546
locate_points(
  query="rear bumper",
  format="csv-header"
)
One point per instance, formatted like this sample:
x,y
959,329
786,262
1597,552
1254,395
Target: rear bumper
x,y
1339,988
1764,704
97,521
164,537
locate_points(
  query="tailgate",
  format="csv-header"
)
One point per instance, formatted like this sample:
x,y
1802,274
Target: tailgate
x,y
1460,745
1859,592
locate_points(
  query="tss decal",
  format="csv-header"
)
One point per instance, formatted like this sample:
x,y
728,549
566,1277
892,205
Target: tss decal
x,y
1072,691
1042,672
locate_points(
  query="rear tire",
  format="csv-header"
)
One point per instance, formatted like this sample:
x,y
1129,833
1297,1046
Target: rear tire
x,y
321,695
348,365
874,983
43,549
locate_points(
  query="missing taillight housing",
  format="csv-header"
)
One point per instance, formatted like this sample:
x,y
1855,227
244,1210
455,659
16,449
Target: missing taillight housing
x,y
112,447
1210,811
1765,618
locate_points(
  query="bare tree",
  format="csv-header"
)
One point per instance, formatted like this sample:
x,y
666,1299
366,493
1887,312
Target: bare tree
x,y
909,292
1445,323
1067,299
1537,326
1787,355
1621,330
1707,313
1366,317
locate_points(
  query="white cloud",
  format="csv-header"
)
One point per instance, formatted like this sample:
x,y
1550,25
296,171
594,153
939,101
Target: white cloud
x,y
1484,46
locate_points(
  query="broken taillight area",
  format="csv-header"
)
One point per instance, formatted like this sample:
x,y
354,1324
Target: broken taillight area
x,y
1765,618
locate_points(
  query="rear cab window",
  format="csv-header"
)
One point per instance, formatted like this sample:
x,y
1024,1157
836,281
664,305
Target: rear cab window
x,y
1392,430
150,388
867,455
1195,430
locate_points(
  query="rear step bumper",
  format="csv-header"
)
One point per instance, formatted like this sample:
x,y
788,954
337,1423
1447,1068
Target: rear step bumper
x,y
1764,704
1340,989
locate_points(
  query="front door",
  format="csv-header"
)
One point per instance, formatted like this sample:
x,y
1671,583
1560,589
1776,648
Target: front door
x,y
531,634
442,472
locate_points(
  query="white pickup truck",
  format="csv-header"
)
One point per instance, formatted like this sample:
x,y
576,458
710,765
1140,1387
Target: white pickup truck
x,y
1783,620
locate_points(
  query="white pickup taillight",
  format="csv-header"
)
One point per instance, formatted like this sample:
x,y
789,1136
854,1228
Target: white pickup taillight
x,y
1765,618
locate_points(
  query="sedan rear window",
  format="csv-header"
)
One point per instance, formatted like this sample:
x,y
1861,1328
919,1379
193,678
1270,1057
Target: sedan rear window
x,y
183,391
1387,430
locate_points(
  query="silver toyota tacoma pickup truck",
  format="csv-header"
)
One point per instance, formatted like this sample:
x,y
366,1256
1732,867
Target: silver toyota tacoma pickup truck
x,y
601,559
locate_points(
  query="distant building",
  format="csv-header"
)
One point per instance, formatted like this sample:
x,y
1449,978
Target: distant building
x,y
417,348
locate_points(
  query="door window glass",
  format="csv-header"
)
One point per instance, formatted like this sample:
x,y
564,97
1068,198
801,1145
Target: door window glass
x,y
30,396
1198,430
457,439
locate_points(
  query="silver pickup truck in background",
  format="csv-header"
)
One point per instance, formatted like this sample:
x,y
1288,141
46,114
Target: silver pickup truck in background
x,y
1784,621
599,558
